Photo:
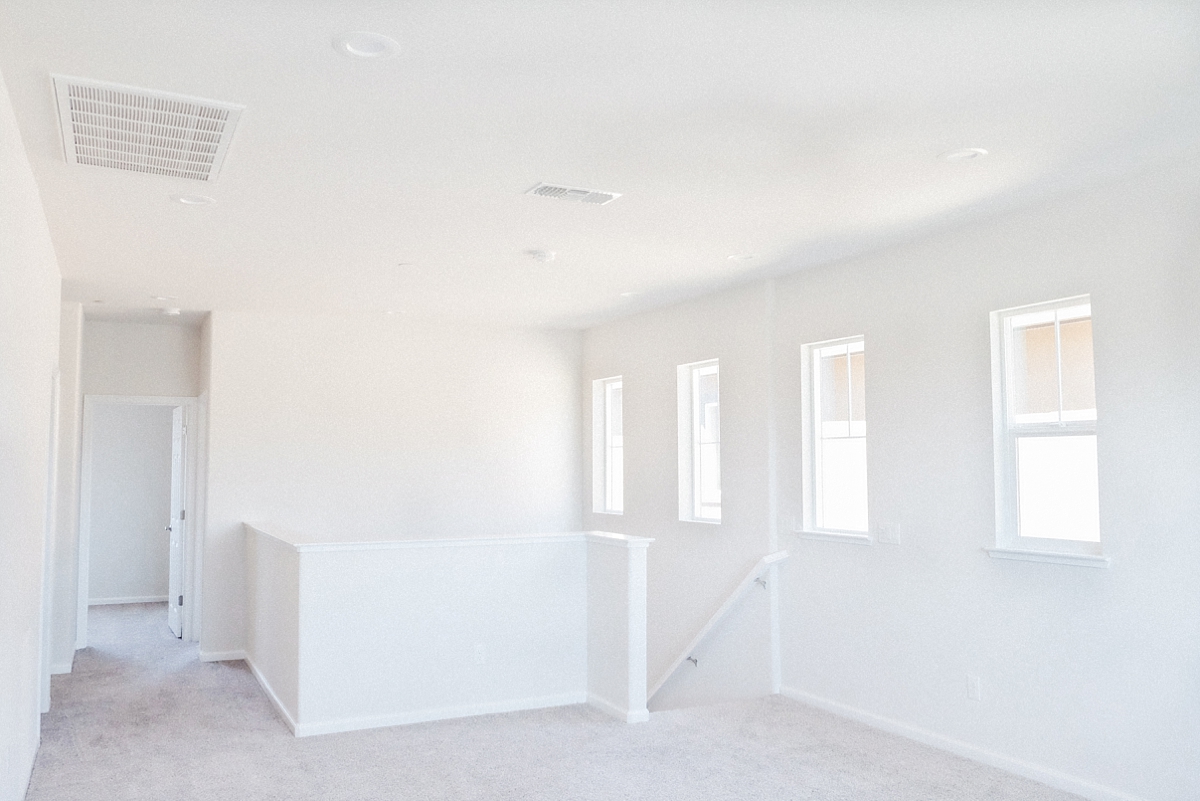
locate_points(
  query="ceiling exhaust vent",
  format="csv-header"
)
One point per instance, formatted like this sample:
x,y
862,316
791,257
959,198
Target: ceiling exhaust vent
x,y
573,193
126,128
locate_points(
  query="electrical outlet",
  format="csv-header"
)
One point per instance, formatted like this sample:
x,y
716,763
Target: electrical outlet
x,y
480,654
887,533
974,687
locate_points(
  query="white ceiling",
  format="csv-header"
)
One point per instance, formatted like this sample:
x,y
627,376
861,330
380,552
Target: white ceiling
x,y
797,132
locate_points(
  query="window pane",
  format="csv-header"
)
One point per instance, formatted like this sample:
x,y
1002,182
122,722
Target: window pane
x,y
843,484
1034,371
710,475
1057,488
614,500
1078,373
857,383
835,389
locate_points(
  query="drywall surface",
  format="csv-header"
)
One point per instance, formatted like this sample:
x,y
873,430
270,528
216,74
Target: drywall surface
x,y
341,424
29,310
273,618
65,570
1088,675
693,567
616,625
1088,672
130,503
127,358
443,630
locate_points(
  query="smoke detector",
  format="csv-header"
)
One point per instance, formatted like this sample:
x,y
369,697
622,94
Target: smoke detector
x,y
143,130
593,196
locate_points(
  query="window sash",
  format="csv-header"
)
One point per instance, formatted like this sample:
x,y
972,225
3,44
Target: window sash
x,y
614,442
825,437
1012,427
706,448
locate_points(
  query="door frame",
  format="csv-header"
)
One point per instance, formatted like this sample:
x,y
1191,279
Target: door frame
x,y
192,492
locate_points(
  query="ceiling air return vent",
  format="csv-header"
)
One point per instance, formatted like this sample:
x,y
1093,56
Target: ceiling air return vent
x,y
573,193
126,128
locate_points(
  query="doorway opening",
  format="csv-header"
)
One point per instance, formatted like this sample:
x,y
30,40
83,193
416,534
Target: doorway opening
x,y
138,489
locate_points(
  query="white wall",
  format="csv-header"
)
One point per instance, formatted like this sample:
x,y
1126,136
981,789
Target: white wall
x,y
134,358
1089,672
65,569
1089,676
693,567
29,310
130,502
331,424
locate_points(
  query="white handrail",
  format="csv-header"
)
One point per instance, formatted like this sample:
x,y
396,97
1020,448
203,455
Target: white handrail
x,y
759,568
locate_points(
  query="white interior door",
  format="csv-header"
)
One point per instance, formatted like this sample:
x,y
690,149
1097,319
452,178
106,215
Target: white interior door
x,y
178,520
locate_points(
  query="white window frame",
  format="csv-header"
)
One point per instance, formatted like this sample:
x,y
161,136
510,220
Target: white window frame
x,y
690,507
1009,542
603,446
811,445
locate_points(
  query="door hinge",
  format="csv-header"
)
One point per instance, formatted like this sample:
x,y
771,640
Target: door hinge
x,y
183,514
181,600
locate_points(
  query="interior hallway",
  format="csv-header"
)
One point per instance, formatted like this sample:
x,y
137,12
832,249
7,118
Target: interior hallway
x,y
141,718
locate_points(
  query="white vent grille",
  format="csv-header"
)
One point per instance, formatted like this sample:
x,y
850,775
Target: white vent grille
x,y
574,193
125,128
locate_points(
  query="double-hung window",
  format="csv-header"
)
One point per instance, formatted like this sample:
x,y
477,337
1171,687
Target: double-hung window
x,y
700,442
835,436
608,446
1044,404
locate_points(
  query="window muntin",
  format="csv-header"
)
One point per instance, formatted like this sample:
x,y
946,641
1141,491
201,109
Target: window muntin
x,y
614,448
1047,483
837,433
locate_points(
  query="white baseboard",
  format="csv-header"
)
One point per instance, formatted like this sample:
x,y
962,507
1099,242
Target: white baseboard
x,y
221,656
59,668
628,715
279,707
1039,773
443,713
414,716
129,599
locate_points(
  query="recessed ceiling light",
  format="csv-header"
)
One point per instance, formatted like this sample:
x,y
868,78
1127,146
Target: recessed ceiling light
x,y
163,297
541,255
630,294
193,200
742,257
364,44
964,154
172,312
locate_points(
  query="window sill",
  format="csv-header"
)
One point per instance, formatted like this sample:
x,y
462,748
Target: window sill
x,y
834,536
699,520
1051,557
607,512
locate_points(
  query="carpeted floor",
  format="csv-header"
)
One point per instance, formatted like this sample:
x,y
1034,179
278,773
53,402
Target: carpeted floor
x,y
140,718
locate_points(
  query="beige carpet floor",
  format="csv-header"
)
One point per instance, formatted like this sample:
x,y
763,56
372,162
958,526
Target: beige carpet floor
x,y
140,718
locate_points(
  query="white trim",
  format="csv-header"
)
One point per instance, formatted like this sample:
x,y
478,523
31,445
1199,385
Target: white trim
x,y
223,656
272,697
61,668
687,383
1030,770
1051,557
129,599
835,536
810,438
600,537
441,713
620,713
